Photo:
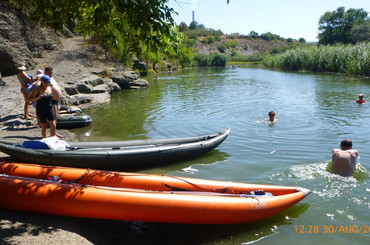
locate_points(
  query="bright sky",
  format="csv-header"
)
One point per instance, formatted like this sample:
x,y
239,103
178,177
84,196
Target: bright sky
x,y
286,18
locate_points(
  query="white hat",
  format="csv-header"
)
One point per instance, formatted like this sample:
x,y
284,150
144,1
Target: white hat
x,y
22,68
39,73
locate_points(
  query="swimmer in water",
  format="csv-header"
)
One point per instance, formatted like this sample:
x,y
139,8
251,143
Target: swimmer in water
x,y
360,99
272,117
344,159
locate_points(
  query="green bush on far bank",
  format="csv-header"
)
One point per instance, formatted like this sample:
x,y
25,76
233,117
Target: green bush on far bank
x,y
202,60
246,58
349,59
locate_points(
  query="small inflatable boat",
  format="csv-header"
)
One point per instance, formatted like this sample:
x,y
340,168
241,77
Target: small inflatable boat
x,y
72,118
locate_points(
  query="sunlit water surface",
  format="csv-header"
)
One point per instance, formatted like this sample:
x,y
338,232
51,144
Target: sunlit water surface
x,y
314,112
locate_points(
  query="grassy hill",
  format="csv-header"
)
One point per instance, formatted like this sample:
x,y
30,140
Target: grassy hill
x,y
232,45
206,41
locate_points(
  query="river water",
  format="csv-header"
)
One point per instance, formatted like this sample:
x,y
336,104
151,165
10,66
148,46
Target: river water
x,y
314,113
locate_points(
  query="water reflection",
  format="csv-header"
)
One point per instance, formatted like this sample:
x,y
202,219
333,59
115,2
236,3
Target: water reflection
x,y
314,111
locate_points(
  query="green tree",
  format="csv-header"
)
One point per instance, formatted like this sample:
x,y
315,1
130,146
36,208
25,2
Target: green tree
x,y
269,36
253,34
274,51
210,40
193,25
335,27
218,60
135,25
222,48
183,27
201,26
361,32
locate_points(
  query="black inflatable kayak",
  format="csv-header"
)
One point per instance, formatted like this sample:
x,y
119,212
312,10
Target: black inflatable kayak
x,y
72,118
117,155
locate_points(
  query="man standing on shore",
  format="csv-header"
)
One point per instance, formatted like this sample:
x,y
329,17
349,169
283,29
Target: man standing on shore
x,y
344,159
57,93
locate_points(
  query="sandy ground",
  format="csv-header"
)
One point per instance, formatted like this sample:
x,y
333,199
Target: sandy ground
x,y
27,228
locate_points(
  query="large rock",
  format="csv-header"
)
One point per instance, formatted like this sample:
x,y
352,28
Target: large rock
x,y
127,79
123,78
139,83
79,99
111,86
21,41
141,66
83,84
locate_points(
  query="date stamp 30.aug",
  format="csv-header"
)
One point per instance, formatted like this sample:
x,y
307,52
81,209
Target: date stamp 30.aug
x,y
332,229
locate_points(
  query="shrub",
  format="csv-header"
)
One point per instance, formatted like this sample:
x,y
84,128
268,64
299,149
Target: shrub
x,y
202,60
350,59
211,40
222,48
218,60
234,53
231,44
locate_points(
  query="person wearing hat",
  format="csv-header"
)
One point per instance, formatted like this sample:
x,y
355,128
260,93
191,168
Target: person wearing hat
x,y
360,99
44,108
38,75
57,93
25,80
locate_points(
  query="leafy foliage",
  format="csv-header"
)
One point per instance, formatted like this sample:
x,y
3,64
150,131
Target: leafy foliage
x,y
133,26
335,27
350,59
247,58
209,60
361,32
269,36
193,25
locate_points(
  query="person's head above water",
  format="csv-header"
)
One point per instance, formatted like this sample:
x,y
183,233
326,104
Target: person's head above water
x,y
346,144
271,116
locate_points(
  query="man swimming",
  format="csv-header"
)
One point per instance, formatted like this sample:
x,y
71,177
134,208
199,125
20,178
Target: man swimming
x,y
272,117
344,159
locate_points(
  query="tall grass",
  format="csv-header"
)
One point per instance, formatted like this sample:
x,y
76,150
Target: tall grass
x,y
349,59
213,59
246,58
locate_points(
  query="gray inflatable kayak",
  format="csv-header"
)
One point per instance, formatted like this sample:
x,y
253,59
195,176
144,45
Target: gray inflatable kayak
x,y
117,155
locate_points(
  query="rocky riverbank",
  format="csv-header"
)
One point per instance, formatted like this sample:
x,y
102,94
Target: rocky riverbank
x,y
86,79
83,73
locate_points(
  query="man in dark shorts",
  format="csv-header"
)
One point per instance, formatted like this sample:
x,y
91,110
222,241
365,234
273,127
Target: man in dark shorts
x,y
57,93
44,108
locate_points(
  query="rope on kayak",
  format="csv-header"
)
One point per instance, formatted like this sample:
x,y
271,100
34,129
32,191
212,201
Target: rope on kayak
x,y
82,175
220,190
175,188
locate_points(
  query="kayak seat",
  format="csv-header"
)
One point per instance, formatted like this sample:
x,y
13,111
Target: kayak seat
x,y
35,144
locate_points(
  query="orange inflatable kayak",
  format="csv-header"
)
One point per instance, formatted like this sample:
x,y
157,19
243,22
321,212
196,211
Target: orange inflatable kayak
x,y
140,197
